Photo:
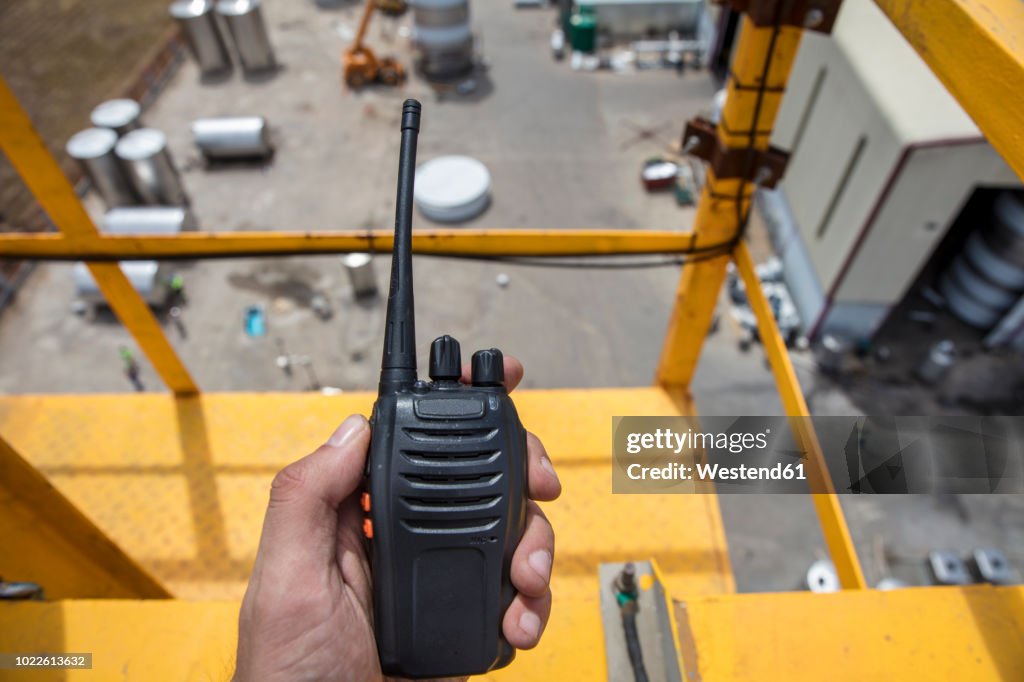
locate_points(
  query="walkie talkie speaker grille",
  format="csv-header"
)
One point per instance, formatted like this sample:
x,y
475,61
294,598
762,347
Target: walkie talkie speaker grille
x,y
452,189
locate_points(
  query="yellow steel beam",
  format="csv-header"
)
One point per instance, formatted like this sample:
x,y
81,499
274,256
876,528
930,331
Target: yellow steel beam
x,y
182,640
724,202
480,242
920,633
44,178
928,633
976,48
830,512
48,541
188,502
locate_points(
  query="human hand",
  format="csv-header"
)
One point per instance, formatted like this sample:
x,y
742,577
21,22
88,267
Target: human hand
x,y
307,611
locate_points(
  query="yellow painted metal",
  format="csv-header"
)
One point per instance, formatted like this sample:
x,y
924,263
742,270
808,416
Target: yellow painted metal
x,y
723,202
699,284
976,48
920,633
830,512
181,485
486,242
44,178
930,633
179,640
740,113
48,541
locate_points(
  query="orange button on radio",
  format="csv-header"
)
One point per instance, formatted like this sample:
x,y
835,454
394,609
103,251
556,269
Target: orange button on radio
x,y
368,528
364,501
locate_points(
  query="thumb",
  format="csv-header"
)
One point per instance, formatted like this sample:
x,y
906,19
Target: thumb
x,y
301,525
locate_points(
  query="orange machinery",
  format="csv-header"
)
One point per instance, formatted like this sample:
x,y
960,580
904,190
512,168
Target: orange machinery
x,y
360,66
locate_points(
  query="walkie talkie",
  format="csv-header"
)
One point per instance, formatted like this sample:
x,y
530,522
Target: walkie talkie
x,y
446,491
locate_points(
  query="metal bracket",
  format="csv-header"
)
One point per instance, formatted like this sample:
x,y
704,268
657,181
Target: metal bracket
x,y
813,15
949,569
763,168
993,566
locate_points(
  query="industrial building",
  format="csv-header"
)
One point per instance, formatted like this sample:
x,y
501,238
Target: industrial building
x,y
205,309
886,168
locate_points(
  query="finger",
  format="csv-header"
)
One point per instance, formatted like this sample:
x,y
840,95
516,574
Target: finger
x,y
531,563
543,481
513,372
355,568
300,529
525,620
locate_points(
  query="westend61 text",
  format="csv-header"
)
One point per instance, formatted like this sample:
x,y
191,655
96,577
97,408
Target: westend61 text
x,y
716,472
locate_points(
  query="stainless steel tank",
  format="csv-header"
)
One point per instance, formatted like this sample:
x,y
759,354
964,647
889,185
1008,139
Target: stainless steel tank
x,y
149,220
244,20
442,34
145,156
120,115
237,137
360,272
202,34
987,278
93,148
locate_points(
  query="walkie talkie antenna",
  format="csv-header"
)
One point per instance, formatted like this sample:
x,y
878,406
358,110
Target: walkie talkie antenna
x,y
398,366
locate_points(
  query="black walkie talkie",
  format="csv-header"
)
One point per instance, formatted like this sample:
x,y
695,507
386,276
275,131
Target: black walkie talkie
x,y
447,486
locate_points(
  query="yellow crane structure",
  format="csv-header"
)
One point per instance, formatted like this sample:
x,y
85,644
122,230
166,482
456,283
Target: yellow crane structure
x,y
144,542
361,66
393,8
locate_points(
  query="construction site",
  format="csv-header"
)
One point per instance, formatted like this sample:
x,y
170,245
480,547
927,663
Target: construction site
x,y
793,211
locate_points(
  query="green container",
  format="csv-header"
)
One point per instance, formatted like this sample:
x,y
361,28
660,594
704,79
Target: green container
x,y
583,32
564,17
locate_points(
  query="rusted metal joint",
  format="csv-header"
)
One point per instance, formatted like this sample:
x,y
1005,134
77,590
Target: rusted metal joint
x,y
813,15
763,168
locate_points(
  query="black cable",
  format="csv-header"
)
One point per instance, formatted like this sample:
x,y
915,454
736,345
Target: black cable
x,y
612,264
636,654
743,218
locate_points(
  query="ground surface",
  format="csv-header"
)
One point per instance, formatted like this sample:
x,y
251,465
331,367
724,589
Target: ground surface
x,y
61,58
564,151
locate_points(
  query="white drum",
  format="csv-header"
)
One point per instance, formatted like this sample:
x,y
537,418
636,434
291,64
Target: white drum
x,y
452,189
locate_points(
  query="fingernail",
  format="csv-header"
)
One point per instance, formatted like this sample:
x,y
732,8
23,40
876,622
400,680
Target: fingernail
x,y
529,623
540,561
347,430
546,463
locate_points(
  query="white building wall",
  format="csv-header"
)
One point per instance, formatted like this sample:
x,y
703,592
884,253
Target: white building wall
x,y
925,200
863,112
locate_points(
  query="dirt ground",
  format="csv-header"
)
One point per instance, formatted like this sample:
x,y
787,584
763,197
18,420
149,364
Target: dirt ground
x,y
61,58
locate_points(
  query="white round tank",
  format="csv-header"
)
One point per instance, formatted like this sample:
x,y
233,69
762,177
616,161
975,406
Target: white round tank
x,y
120,115
452,189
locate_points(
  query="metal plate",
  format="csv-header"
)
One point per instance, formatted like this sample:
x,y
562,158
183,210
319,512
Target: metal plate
x,y
949,569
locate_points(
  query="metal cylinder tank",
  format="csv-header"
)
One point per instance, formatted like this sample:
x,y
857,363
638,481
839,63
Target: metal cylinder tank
x,y
150,168
93,148
202,33
442,34
360,272
238,137
985,280
148,220
244,20
120,115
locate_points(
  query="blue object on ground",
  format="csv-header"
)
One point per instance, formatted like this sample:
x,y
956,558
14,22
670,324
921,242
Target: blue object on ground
x,y
255,321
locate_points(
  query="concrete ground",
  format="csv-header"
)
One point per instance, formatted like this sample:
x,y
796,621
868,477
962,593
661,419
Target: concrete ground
x,y
564,150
